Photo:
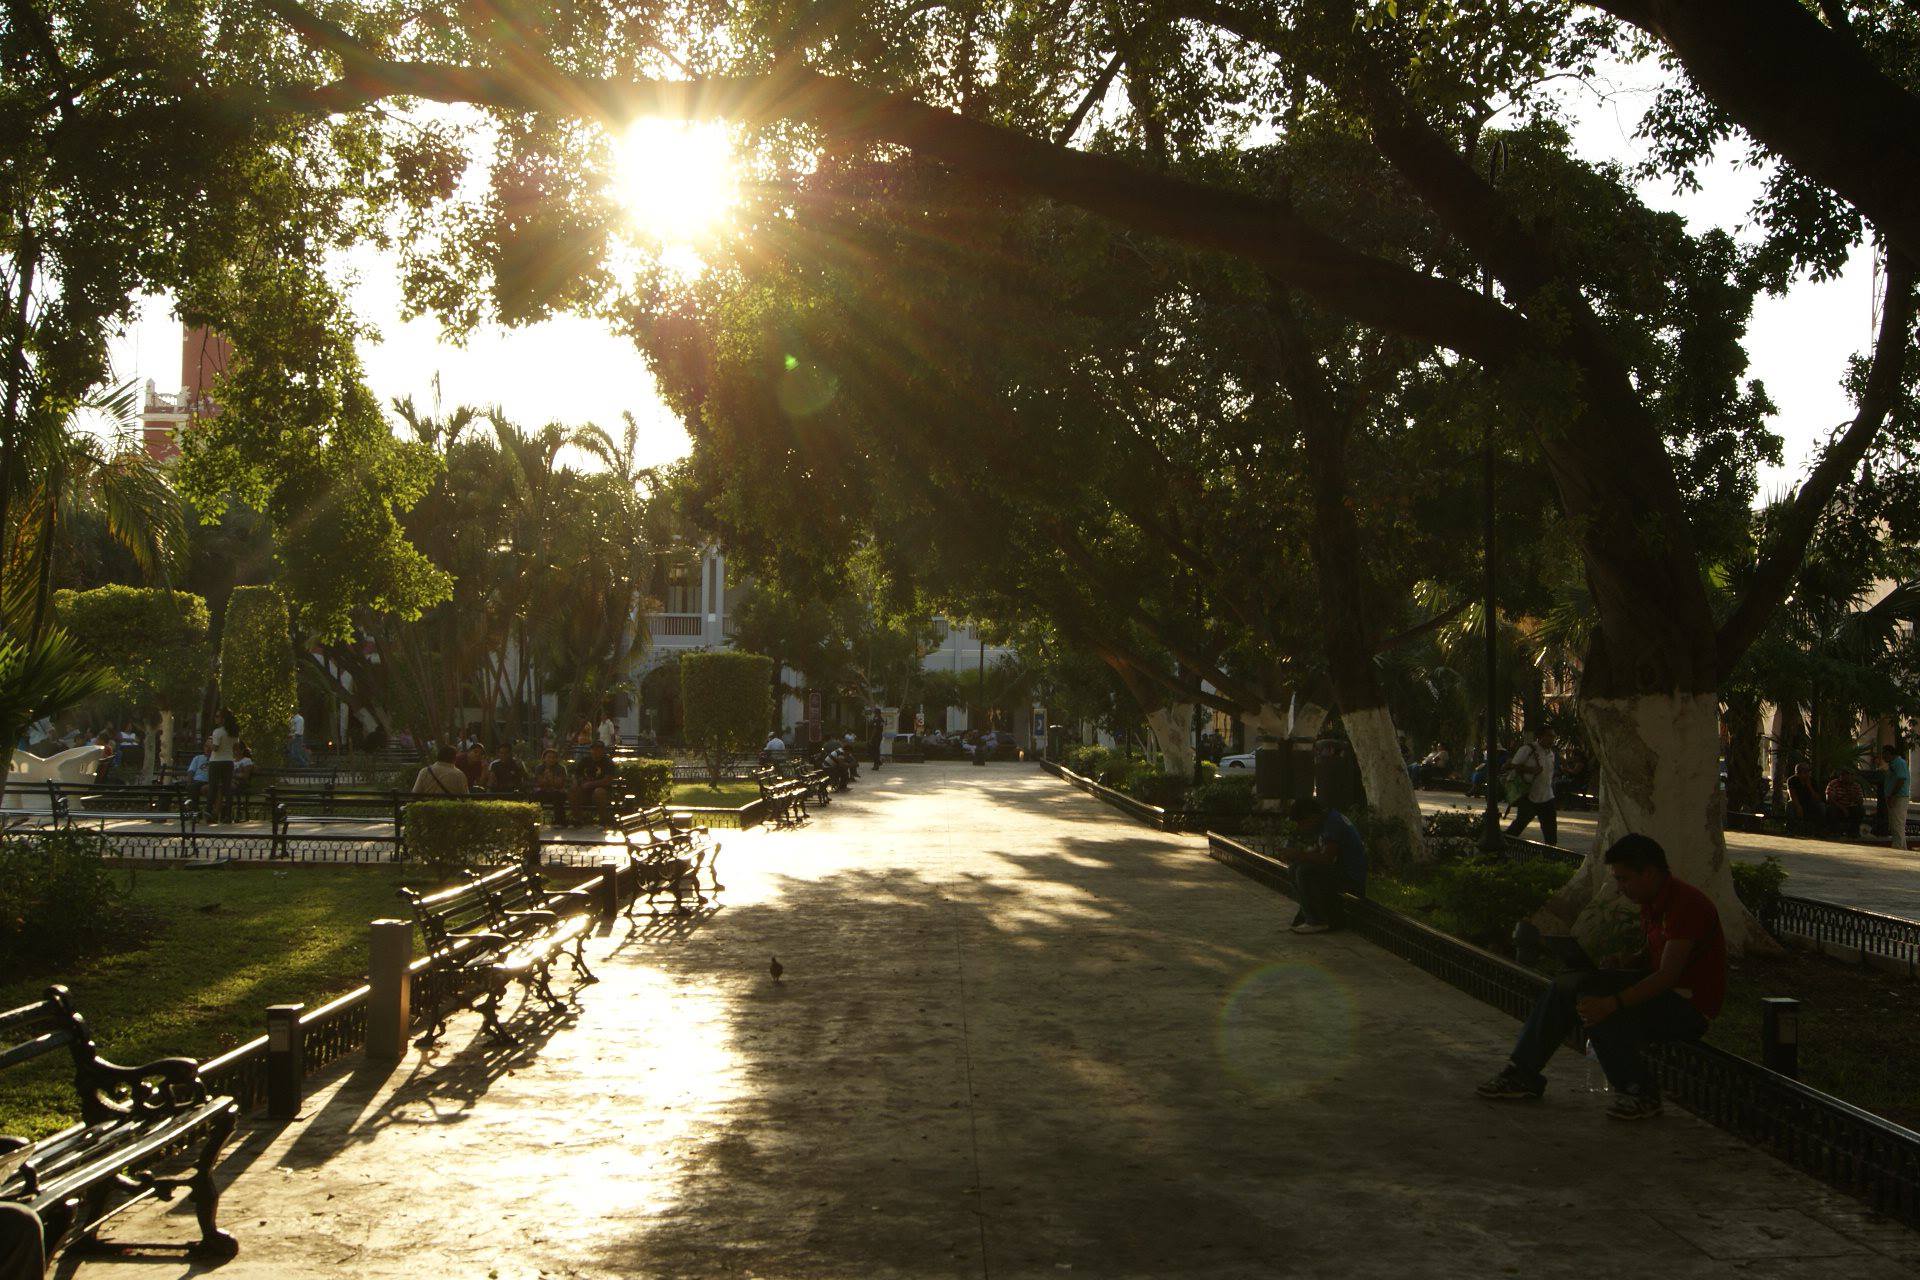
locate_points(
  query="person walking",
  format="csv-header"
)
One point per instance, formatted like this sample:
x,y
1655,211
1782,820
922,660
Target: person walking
x,y
1896,788
1533,765
225,736
297,743
876,735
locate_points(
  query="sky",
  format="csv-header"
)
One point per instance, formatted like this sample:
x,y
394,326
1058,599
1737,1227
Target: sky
x,y
577,371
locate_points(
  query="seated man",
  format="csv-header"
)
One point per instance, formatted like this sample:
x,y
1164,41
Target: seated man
x,y
1334,861
242,767
441,778
1846,803
1668,992
197,769
593,781
551,785
505,773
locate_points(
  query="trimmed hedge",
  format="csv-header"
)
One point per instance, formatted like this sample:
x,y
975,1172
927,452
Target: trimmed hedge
x,y
256,669
452,835
727,698
651,781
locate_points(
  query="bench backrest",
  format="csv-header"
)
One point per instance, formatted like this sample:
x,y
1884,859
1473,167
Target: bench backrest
x,y
515,889
53,1023
449,913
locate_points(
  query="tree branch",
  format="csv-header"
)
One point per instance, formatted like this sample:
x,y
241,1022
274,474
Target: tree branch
x,y
1780,563
1263,231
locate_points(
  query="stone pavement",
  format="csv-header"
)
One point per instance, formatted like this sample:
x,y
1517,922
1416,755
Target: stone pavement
x,y
1018,1036
1869,877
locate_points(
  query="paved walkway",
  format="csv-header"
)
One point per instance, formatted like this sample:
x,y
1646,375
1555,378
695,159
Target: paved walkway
x,y
1870,877
1018,1037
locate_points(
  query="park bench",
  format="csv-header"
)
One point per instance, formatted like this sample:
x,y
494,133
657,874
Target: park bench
x,y
670,852
495,930
312,812
817,781
785,798
133,1120
71,803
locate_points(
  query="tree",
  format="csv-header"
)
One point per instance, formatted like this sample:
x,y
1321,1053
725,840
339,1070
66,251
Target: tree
x,y
728,701
256,667
154,644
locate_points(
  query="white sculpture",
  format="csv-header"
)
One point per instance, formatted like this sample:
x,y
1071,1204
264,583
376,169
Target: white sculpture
x,y
78,764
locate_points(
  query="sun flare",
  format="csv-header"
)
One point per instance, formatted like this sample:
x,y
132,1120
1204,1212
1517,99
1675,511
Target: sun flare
x,y
677,180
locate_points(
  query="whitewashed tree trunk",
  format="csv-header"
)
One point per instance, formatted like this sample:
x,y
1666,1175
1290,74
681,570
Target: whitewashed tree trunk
x,y
1268,721
1659,761
1376,748
1172,729
162,745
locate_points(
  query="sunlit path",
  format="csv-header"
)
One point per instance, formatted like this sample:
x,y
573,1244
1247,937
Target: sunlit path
x,y
1017,1036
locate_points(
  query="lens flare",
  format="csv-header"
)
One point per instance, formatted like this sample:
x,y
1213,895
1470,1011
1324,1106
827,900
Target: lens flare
x,y
1285,1029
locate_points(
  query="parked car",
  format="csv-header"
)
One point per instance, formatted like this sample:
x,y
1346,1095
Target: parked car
x,y
1237,762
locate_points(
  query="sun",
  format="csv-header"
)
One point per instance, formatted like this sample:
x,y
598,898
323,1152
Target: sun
x,y
677,180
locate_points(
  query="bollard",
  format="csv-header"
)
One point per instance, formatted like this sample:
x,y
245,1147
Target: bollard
x,y
609,900
390,989
1780,1035
284,1064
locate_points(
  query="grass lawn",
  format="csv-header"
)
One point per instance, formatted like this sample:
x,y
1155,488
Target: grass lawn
x,y
225,943
1859,1027
728,795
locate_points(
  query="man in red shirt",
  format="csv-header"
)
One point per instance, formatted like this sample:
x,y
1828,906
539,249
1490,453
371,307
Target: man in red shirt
x,y
1669,992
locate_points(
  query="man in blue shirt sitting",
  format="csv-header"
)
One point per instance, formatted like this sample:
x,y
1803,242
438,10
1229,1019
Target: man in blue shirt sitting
x,y
197,770
1334,861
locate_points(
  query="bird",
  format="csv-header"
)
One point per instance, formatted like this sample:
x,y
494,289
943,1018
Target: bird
x,y
775,968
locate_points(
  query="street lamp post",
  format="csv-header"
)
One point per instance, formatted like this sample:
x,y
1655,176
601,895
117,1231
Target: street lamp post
x,y
1490,840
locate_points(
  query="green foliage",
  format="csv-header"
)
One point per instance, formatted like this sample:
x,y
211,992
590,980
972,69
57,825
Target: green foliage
x,y
651,781
256,668
1452,836
58,900
452,835
1224,802
153,641
1146,783
728,701
1488,896
1388,846
1091,761
42,677
1759,885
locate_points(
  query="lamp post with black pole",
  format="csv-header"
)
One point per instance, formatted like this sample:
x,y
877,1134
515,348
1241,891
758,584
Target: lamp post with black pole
x,y
1490,838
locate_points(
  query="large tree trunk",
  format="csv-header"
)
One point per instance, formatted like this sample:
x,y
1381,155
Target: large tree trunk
x,y
1658,756
159,744
1172,729
1333,541
1376,747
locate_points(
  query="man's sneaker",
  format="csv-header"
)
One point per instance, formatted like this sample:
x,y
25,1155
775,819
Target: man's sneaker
x,y
1633,1106
1510,1083
1311,927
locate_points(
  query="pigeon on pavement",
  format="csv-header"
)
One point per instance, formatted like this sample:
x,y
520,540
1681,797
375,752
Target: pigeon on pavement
x,y
776,968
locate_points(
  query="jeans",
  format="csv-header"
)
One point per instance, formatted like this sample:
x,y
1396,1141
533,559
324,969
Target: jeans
x,y
297,752
1617,1039
1317,887
1526,811
219,790
1896,807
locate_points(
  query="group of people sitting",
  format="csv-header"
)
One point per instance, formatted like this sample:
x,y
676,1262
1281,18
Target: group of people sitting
x,y
1839,808
568,793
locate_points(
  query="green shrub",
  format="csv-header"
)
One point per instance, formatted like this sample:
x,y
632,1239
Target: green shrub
x,y
1758,885
727,698
1223,802
1488,896
452,835
58,900
1150,786
1092,761
256,669
1388,848
651,781
1453,836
